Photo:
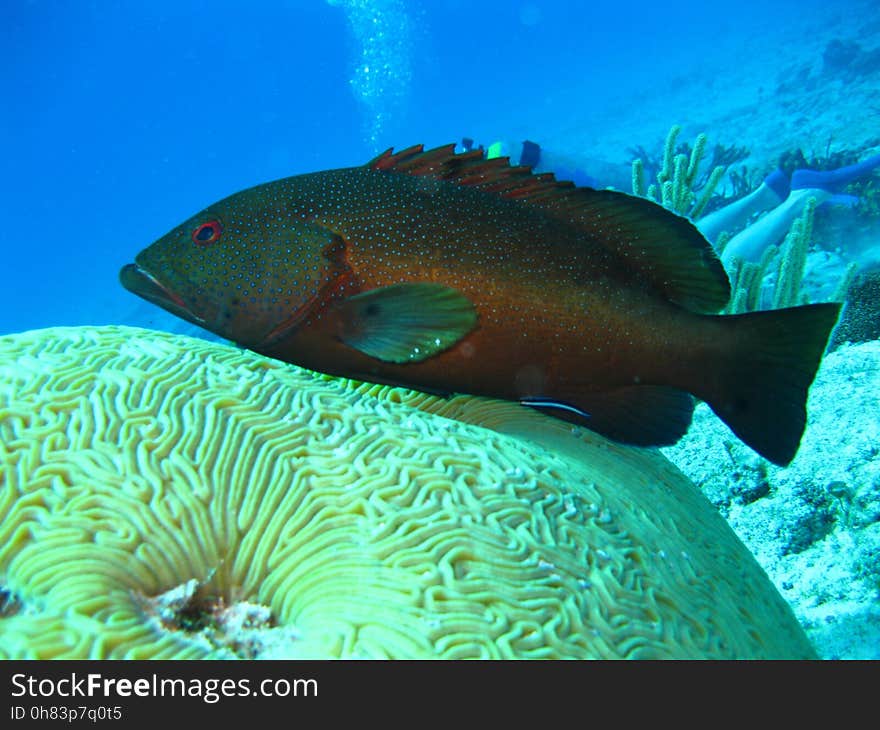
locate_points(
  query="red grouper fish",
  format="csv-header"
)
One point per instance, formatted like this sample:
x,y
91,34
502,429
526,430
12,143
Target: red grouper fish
x,y
450,273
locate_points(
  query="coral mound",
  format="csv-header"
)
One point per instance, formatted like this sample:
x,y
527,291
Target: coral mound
x,y
165,497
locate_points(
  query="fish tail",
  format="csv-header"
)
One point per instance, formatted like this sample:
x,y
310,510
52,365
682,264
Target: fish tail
x,y
760,389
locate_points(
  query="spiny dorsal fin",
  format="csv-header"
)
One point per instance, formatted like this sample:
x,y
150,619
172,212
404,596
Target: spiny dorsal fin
x,y
470,168
667,249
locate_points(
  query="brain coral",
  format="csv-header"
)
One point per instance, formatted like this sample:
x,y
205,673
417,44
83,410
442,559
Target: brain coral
x,y
167,497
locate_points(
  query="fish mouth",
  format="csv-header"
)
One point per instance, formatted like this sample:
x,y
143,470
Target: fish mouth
x,y
139,281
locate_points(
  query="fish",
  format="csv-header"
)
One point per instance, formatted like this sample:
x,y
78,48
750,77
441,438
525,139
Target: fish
x,y
450,273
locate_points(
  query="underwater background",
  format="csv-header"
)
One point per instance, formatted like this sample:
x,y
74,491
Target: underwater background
x,y
120,119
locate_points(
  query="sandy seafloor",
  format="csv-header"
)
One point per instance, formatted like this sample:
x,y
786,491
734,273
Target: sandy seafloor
x,y
815,525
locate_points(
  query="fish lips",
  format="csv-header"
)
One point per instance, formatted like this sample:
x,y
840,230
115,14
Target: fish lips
x,y
141,282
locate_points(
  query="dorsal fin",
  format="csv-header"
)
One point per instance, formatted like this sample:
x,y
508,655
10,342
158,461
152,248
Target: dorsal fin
x,y
666,249
470,168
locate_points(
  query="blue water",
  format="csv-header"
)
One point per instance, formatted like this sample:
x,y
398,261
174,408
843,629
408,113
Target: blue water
x,y
119,119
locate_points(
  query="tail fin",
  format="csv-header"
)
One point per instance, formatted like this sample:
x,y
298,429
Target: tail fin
x,y
761,390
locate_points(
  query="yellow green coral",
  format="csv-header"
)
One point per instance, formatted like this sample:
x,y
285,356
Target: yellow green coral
x,y
150,484
676,178
779,274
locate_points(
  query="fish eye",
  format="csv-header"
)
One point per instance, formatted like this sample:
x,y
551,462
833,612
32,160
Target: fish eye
x,y
207,233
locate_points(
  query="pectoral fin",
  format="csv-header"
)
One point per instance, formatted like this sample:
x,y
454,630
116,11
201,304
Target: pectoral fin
x,y
405,323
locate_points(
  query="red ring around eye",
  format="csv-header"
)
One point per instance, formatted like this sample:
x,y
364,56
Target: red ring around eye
x,y
207,233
